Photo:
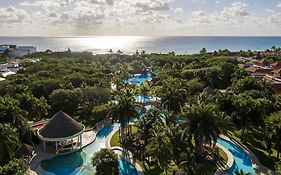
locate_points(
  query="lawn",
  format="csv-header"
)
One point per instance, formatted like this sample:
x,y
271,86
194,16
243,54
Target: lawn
x,y
223,155
115,141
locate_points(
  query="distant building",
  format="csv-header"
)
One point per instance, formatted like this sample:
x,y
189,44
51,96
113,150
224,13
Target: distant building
x,y
14,51
263,70
48,51
2,49
276,65
5,72
24,50
13,64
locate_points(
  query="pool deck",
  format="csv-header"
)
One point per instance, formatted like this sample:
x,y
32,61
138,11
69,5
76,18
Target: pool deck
x,y
258,167
40,155
108,146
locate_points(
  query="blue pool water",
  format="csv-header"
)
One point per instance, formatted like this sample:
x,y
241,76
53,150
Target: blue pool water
x,y
241,158
138,79
79,163
126,168
143,99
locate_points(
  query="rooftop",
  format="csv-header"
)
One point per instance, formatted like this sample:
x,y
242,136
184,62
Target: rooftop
x,y
61,125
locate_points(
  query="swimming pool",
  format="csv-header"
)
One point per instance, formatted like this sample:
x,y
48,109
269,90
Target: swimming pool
x,y
143,99
138,79
126,168
79,163
241,159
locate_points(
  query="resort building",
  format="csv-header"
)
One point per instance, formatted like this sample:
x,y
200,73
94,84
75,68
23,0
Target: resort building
x,y
14,51
265,70
61,134
5,72
24,50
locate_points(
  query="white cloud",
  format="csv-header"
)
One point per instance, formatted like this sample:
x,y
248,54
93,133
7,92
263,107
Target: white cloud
x,y
232,20
10,15
45,4
178,10
236,9
198,13
137,17
153,4
279,5
269,10
109,2
275,19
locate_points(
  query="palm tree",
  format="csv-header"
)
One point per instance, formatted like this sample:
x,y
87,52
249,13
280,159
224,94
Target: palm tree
x,y
173,98
178,145
123,111
204,123
106,162
160,145
203,51
143,90
9,142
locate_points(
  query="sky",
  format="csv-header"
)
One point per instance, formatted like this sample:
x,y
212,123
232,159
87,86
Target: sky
x,y
140,17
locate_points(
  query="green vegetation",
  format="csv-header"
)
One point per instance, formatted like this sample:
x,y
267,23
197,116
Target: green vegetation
x,y
223,155
115,139
176,136
14,167
106,162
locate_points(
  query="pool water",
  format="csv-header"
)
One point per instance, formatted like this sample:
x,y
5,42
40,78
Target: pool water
x,y
241,159
126,168
143,99
138,79
79,163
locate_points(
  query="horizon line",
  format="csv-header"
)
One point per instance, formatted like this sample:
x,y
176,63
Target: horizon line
x,y
89,36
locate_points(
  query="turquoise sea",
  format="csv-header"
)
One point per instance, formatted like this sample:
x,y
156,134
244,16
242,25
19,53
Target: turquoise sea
x,y
129,44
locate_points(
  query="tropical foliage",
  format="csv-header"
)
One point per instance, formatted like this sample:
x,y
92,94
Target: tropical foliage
x,y
177,135
106,162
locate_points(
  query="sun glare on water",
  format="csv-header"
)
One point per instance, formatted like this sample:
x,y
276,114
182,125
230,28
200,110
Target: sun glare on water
x,y
109,42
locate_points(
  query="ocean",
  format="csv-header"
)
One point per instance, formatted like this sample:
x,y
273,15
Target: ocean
x,y
129,44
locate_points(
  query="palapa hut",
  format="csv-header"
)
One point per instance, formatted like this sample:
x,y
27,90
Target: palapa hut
x,y
209,90
62,133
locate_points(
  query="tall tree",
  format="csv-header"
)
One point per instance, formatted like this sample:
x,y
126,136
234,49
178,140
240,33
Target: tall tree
x,y
273,123
204,123
123,110
106,162
9,142
173,95
160,145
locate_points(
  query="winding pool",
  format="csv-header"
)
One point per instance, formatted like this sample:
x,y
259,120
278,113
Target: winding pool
x,y
138,79
79,163
241,159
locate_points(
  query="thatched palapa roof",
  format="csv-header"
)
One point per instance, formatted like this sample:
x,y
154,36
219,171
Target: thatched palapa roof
x,y
61,125
209,90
